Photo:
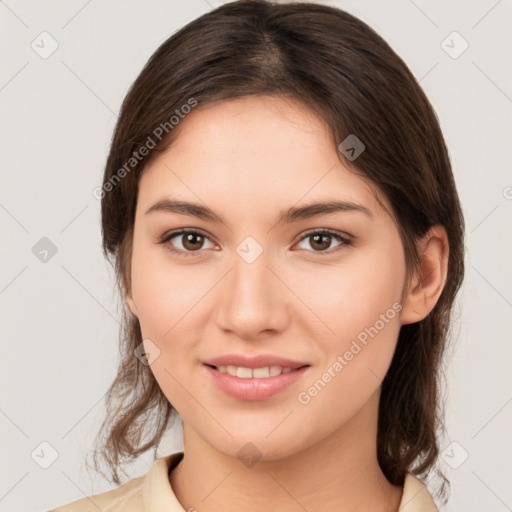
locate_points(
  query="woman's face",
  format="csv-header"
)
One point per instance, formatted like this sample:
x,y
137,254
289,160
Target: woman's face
x,y
264,283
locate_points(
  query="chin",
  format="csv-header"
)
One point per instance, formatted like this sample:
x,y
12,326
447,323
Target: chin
x,y
258,448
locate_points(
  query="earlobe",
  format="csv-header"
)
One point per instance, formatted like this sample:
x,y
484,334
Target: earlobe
x,y
430,278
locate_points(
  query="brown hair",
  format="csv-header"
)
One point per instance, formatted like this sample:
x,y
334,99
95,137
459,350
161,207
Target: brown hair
x,y
341,69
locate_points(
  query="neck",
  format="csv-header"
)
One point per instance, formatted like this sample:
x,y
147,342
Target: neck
x,y
340,473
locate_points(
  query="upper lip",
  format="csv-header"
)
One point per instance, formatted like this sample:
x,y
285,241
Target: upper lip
x,y
258,361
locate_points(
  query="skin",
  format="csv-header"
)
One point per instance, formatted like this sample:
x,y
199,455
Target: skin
x,y
247,159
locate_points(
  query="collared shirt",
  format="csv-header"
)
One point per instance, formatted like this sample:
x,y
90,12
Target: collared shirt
x,y
152,492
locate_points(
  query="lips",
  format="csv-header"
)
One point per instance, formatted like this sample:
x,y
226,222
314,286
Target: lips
x,y
254,378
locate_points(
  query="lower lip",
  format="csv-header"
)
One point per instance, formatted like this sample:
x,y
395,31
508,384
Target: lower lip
x,y
254,389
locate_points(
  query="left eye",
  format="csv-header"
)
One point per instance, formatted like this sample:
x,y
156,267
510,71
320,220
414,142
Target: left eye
x,y
319,238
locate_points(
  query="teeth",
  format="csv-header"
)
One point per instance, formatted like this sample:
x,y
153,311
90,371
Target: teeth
x,y
243,373
275,370
256,373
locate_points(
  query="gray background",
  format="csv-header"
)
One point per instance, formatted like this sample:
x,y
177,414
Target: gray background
x,y
60,318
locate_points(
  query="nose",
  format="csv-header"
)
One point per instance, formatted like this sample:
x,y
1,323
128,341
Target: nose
x,y
254,301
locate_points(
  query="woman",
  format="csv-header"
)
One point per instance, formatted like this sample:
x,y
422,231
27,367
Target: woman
x,y
287,236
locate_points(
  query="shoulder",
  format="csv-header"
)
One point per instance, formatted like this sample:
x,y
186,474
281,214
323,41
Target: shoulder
x,y
127,498
416,497
151,491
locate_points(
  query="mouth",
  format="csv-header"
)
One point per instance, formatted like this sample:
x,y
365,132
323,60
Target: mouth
x,y
243,383
264,372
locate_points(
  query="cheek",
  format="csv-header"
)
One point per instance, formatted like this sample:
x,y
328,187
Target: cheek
x,y
355,363
359,302
166,297
168,300
351,296
163,292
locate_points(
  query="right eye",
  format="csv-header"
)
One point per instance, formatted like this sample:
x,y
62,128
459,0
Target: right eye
x,y
191,241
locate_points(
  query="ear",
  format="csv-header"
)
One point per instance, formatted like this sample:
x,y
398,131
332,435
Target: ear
x,y
428,282
131,304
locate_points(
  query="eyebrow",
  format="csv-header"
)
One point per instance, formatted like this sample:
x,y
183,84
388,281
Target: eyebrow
x,y
292,214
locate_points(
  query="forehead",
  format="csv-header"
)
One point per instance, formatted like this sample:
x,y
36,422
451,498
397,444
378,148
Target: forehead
x,y
252,127
254,151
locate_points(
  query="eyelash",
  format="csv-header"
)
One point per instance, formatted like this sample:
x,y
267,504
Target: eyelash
x,y
168,236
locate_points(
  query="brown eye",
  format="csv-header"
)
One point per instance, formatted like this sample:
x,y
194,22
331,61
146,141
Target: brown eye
x,y
320,241
190,242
